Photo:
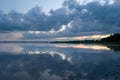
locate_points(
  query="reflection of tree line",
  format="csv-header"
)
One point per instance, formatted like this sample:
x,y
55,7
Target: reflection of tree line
x,y
114,47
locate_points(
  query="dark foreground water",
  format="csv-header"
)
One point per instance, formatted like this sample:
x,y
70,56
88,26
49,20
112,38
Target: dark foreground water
x,y
43,61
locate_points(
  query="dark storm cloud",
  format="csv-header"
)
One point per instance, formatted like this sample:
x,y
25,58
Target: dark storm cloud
x,y
94,17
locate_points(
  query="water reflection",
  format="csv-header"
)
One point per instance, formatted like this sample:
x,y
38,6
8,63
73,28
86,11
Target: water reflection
x,y
114,47
11,48
48,52
84,46
38,48
58,62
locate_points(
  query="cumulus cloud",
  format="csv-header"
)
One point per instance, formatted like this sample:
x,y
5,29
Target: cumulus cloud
x,y
72,19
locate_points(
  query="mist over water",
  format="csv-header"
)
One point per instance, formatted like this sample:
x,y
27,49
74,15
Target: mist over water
x,y
44,61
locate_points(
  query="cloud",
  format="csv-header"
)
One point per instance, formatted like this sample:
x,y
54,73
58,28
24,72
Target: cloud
x,y
11,36
72,19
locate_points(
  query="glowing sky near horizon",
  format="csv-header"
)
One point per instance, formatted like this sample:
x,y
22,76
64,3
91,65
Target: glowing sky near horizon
x,y
17,36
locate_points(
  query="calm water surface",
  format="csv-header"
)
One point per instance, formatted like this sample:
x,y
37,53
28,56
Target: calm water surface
x,y
44,61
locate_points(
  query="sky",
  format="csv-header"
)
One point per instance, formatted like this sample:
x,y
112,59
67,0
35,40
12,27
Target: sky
x,y
58,19
25,5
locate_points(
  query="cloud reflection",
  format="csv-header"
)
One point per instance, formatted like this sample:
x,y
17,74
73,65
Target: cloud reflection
x,y
51,62
47,67
52,53
49,48
13,48
84,46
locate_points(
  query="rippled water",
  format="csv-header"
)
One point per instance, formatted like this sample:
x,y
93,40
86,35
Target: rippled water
x,y
44,61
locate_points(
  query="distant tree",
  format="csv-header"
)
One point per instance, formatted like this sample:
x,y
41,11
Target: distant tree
x,y
112,38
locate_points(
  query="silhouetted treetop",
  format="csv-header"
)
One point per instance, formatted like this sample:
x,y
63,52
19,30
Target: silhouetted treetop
x,y
112,38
